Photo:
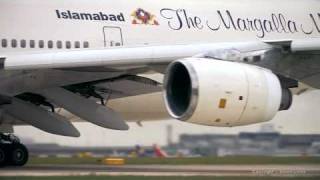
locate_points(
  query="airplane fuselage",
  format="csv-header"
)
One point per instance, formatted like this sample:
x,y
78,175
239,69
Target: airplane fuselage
x,y
37,25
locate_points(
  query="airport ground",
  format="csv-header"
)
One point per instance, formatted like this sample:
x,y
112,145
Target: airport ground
x,y
155,178
224,168
226,160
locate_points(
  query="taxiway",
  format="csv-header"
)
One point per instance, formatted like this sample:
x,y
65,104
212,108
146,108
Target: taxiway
x,y
164,170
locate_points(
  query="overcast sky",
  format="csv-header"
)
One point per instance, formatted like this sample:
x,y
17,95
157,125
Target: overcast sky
x,y
302,118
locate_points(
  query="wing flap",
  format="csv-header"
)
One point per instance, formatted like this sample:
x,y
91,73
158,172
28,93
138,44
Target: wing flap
x,y
86,109
40,118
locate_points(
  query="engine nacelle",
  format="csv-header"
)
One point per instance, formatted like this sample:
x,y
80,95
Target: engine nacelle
x,y
220,93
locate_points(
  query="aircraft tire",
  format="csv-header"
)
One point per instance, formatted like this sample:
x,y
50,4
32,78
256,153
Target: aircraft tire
x,y
3,155
19,155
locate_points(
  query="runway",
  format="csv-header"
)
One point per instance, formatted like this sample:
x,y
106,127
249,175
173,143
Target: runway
x,y
164,170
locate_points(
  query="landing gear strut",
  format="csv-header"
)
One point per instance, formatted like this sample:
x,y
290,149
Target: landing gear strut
x,y
12,152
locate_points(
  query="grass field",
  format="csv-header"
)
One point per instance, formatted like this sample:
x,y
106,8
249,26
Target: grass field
x,y
185,161
155,178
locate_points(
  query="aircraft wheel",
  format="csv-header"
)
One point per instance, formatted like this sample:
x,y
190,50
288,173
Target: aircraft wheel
x,y
19,155
3,155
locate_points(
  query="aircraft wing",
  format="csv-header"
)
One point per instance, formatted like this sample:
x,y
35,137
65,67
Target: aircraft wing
x,y
299,45
119,57
295,59
124,58
125,63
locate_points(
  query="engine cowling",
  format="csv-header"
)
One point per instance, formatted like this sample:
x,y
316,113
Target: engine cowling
x,y
220,93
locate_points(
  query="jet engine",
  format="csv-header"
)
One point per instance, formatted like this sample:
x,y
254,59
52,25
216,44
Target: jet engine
x,y
220,93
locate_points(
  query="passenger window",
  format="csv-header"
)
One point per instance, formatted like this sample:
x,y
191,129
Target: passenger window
x,y
50,44
14,43
86,44
59,44
32,44
77,44
41,44
23,43
4,43
68,44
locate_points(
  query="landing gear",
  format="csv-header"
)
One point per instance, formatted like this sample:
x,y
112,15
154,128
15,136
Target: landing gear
x,y
12,152
3,157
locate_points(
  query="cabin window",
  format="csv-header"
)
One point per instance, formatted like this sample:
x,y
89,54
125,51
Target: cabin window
x,y
32,44
23,43
14,43
77,44
50,44
4,43
86,44
68,44
59,44
41,44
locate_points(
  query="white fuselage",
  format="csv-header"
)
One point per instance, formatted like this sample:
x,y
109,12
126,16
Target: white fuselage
x,y
112,23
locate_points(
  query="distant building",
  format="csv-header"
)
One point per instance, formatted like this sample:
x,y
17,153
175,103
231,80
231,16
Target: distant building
x,y
207,144
266,143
